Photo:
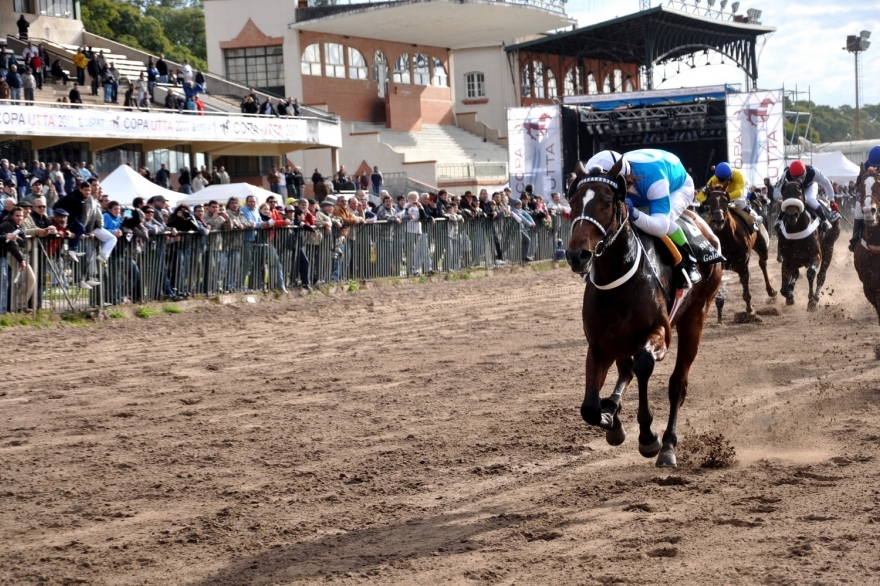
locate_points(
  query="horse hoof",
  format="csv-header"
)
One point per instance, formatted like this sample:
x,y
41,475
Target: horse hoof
x,y
666,460
651,450
811,306
615,436
772,294
789,300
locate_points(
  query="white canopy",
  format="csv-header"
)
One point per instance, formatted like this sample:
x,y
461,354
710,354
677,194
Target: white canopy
x,y
124,184
226,190
835,166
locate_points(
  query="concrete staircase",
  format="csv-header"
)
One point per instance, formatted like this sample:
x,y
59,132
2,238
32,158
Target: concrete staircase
x,y
443,144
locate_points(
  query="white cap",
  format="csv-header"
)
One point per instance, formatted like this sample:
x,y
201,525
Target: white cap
x,y
605,160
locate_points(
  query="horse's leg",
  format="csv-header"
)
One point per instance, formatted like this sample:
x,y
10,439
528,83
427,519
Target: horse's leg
x,y
719,304
643,366
763,254
591,409
744,277
813,299
617,434
827,255
790,276
690,331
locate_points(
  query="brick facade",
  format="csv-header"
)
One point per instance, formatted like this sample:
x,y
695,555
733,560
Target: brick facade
x,y
405,107
251,36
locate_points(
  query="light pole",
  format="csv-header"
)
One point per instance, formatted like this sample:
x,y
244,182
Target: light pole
x,y
855,45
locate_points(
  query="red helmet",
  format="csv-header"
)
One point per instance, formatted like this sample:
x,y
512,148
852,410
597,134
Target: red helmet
x,y
797,169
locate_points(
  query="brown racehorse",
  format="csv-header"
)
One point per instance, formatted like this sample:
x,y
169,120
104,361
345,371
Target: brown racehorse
x,y
737,244
625,311
866,257
813,251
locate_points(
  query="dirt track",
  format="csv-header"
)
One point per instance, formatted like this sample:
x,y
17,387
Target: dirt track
x,y
428,433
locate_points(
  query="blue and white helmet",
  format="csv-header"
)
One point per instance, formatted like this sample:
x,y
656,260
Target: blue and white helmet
x,y
606,159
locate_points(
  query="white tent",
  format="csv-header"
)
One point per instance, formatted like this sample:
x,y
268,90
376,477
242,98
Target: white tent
x,y
226,190
124,184
835,166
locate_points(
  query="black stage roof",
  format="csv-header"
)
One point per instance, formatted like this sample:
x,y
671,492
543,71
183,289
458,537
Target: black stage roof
x,y
653,36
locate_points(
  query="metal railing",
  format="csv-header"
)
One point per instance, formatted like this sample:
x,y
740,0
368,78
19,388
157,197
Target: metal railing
x,y
472,171
174,266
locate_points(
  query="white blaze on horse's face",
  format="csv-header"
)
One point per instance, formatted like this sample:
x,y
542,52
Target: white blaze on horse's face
x,y
588,196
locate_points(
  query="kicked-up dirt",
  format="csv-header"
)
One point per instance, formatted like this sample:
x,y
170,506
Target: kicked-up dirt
x,y
427,433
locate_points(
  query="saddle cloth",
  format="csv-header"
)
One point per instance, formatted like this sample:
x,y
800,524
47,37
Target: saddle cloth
x,y
706,253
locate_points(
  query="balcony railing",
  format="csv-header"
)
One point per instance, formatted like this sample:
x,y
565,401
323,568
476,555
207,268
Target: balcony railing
x,y
476,171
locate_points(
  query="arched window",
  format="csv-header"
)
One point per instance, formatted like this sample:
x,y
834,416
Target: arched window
x,y
380,72
538,69
357,66
440,77
606,85
526,82
552,89
591,86
475,85
311,60
628,84
421,69
401,69
573,85
618,80
335,60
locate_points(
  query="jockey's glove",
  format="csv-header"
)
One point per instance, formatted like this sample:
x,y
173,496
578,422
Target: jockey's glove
x,y
826,225
834,207
631,210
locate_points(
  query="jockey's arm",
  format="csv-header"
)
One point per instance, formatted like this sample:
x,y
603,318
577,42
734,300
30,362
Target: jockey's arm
x,y
702,193
736,187
824,184
657,221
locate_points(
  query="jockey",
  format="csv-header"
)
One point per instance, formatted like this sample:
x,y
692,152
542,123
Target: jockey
x,y
659,183
810,179
732,181
865,181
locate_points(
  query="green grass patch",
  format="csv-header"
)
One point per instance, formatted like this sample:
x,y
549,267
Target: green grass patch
x,y
76,318
115,314
353,287
169,308
145,312
541,266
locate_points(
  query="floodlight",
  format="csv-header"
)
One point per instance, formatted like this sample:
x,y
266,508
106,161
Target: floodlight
x,y
723,4
734,7
865,34
710,3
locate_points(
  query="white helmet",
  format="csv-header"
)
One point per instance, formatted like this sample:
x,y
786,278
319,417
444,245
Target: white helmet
x,y
605,160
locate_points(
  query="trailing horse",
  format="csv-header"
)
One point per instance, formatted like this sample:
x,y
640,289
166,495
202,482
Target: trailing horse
x,y
802,244
737,241
626,309
866,256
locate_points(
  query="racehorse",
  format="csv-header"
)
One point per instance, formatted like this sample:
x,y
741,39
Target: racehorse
x,y
625,310
866,257
737,243
803,244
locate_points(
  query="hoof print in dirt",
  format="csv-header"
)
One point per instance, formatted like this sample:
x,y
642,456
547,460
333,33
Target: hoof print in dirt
x,y
767,311
670,481
744,317
644,507
546,536
663,552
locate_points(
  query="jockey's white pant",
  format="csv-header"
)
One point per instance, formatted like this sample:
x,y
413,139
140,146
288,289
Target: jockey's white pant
x,y
679,200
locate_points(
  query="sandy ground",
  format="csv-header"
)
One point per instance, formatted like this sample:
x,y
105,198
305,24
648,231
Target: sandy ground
x,y
429,433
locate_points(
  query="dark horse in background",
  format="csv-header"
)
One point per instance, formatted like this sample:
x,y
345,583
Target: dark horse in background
x,y
866,257
803,244
625,310
737,243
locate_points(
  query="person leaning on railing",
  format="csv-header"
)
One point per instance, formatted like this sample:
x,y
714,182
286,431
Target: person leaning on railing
x,y
11,230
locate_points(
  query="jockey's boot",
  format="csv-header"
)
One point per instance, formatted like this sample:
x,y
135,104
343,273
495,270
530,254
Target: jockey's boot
x,y
858,228
686,273
820,213
756,219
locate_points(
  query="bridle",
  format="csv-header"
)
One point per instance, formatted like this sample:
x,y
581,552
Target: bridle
x,y
607,238
723,196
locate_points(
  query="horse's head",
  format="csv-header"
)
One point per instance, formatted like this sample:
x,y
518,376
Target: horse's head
x,y
718,201
596,209
792,202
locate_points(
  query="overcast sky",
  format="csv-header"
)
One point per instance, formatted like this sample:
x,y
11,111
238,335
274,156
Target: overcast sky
x,y
806,50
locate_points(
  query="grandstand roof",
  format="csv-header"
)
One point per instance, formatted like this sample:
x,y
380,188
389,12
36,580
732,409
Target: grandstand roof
x,y
654,35
454,24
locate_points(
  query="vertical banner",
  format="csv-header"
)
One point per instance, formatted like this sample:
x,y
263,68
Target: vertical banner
x,y
534,139
755,135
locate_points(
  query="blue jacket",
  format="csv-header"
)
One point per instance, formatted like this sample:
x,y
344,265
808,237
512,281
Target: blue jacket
x,y
111,223
13,79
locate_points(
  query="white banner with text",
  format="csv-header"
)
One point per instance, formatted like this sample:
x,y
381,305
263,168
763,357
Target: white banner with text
x,y
755,135
534,139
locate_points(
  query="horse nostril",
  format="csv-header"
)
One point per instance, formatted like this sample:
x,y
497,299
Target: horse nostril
x,y
585,256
